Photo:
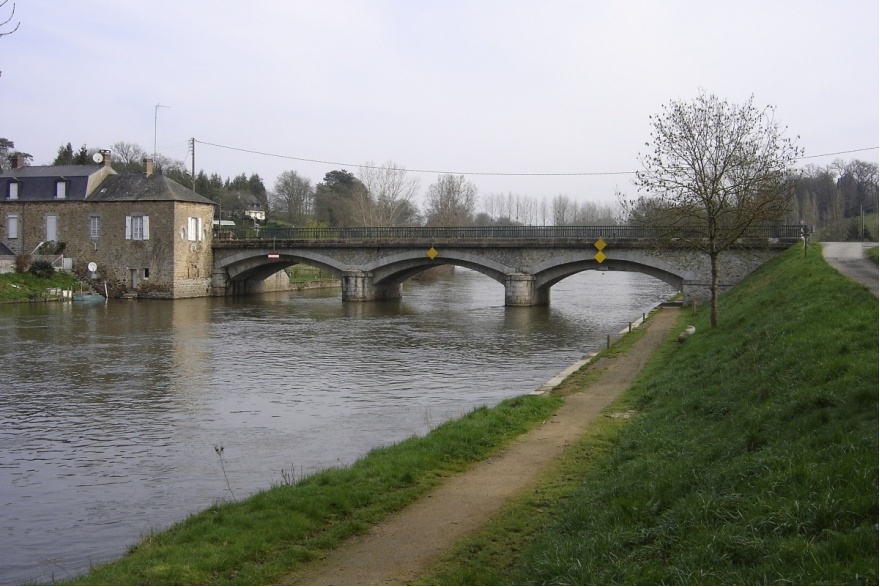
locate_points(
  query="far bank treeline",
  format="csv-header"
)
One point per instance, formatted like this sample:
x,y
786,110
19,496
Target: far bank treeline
x,y
832,199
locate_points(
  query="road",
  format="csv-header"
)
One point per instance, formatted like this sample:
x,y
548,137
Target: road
x,y
850,260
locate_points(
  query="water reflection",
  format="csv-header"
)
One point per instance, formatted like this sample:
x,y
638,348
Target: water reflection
x,y
109,414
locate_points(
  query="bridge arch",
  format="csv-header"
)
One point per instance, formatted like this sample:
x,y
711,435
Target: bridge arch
x,y
552,274
399,267
255,263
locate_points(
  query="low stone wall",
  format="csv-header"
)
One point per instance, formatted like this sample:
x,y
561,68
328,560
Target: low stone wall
x,y
280,281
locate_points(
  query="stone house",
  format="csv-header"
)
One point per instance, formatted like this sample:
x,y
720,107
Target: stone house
x,y
148,235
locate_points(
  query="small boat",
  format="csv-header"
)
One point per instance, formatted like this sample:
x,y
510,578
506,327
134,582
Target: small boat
x,y
88,297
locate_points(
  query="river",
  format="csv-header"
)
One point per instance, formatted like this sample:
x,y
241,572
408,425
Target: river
x,y
112,415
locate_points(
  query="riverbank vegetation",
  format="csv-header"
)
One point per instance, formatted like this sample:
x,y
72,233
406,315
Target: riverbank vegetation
x,y
27,287
301,273
750,456
261,539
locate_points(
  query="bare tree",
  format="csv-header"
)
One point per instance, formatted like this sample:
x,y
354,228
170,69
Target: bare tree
x,y
127,157
491,205
451,202
717,169
562,210
387,197
7,21
293,197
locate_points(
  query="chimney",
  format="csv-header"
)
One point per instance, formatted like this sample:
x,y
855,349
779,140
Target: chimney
x,y
148,167
18,161
106,154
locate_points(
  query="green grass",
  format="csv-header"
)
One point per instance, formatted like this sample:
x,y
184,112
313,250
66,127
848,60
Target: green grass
x,y
305,273
873,254
24,287
260,540
752,460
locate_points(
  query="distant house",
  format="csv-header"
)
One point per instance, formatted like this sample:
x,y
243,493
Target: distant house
x,y
147,234
254,209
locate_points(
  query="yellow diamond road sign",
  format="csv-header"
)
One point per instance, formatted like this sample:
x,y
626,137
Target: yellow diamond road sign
x,y
600,256
432,253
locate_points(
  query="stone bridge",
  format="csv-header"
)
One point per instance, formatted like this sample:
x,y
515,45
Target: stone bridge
x,y
373,263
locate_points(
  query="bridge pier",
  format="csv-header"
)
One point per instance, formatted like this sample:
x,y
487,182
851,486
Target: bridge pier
x,y
219,282
358,286
520,290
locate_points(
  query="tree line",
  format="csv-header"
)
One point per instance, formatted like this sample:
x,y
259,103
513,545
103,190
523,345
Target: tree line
x,y
829,198
385,195
834,197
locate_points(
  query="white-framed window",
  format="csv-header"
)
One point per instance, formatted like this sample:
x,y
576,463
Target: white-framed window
x,y
12,226
61,189
146,272
137,228
51,227
13,190
94,227
194,229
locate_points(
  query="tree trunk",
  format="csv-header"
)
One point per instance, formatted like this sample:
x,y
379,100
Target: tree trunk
x,y
713,313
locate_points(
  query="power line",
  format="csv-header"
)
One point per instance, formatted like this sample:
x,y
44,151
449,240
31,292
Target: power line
x,y
483,173
839,153
412,170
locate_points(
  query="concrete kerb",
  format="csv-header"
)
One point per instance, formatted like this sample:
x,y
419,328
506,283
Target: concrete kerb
x,y
560,377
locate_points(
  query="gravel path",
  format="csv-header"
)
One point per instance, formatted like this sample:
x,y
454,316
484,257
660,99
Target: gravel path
x,y
403,547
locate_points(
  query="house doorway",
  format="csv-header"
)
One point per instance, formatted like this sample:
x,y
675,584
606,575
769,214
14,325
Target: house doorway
x,y
134,279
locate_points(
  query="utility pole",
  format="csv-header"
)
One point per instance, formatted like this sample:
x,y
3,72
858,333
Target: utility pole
x,y
156,126
192,145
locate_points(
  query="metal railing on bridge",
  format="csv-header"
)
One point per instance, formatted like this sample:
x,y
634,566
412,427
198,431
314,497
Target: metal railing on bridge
x,y
487,233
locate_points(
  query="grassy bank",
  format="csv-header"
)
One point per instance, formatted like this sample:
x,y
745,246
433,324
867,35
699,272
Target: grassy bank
x,y
751,456
306,273
258,540
24,287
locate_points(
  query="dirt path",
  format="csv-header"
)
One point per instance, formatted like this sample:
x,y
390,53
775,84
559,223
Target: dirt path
x,y
850,260
404,546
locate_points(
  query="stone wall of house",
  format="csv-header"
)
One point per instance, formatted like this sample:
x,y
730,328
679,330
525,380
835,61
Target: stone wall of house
x,y
192,258
165,265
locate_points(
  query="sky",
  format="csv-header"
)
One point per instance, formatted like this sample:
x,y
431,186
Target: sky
x,y
535,98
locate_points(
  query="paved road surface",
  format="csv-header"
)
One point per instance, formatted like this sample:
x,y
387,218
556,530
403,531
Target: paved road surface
x,y
849,259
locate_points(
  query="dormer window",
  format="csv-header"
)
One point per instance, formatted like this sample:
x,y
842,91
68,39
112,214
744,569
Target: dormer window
x,y
60,189
13,190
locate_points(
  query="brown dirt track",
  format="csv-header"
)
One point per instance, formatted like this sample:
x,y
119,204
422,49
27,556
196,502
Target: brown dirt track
x,y
406,545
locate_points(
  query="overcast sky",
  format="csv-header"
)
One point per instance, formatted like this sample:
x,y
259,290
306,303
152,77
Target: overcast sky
x,y
493,87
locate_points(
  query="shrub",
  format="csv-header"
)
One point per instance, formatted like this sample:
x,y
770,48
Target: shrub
x,y
41,268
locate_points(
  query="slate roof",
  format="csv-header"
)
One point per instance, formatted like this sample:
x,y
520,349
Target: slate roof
x,y
37,182
136,187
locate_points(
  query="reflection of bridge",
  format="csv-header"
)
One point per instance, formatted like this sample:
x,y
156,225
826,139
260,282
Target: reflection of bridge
x,y
373,262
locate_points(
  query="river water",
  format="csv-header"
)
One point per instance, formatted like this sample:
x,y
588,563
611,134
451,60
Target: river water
x,y
112,415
